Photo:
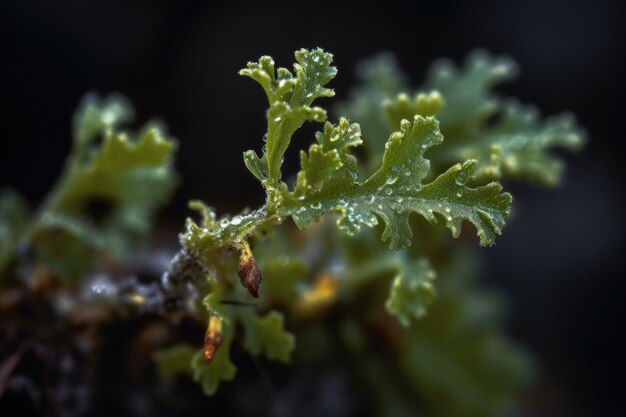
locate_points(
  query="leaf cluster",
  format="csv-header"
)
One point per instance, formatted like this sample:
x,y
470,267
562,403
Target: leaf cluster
x,y
430,155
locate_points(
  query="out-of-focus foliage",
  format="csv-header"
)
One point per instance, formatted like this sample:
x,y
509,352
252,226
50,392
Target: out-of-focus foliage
x,y
507,139
411,291
106,198
458,356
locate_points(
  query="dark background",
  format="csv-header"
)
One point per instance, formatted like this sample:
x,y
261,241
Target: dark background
x,y
559,258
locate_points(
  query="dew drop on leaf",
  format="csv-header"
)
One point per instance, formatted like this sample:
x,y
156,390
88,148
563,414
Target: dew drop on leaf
x,y
461,178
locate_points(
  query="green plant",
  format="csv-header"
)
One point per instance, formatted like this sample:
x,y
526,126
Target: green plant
x,y
410,333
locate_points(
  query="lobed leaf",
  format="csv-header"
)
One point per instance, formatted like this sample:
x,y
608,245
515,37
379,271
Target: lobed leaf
x,y
411,291
395,189
506,139
95,117
221,368
109,191
518,145
290,98
124,181
267,335
403,107
467,91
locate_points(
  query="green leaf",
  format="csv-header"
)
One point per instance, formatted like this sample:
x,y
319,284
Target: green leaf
x,y
96,117
210,375
290,98
212,301
257,166
467,91
282,276
329,158
108,194
207,239
267,335
381,79
517,146
411,292
395,189
457,357
65,245
174,361
404,107
508,140
115,189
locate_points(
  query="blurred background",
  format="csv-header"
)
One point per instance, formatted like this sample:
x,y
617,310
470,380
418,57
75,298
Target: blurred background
x,y
560,258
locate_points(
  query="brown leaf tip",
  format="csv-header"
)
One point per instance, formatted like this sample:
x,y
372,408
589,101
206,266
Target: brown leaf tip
x,y
249,274
213,338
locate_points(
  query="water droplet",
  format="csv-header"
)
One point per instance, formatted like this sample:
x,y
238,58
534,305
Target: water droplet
x,y
393,177
236,220
316,58
388,191
447,209
372,199
449,218
459,194
407,172
461,178
282,83
224,222
309,95
277,119
399,200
